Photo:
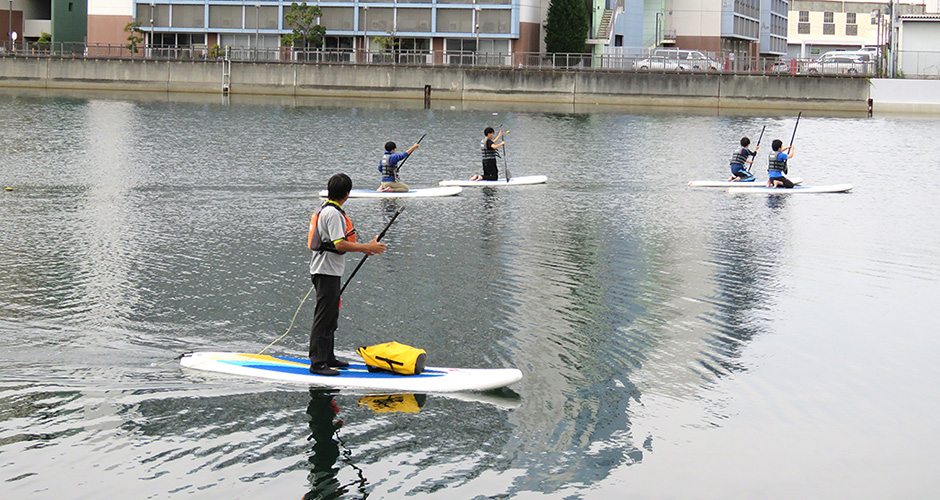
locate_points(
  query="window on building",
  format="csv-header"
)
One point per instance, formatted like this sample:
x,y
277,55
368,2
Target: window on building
x,y
829,29
233,41
261,17
495,21
338,48
874,19
414,20
849,18
828,17
190,16
454,20
804,16
224,16
460,51
458,45
157,14
851,29
802,28
377,20
338,42
335,18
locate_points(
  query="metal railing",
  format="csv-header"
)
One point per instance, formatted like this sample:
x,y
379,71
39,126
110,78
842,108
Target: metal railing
x,y
911,64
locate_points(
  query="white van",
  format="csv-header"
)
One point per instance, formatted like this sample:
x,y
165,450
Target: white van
x,y
693,59
864,54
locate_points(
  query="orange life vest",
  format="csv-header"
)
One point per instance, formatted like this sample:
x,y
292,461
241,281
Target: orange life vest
x,y
315,243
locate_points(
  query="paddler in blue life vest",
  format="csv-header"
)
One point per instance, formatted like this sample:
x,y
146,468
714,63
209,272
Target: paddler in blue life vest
x,y
388,165
331,235
777,165
490,150
738,160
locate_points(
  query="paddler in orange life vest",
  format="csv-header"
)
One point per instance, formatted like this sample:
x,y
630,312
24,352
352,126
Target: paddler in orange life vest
x,y
331,235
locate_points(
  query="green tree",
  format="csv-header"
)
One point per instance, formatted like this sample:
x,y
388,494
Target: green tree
x,y
566,26
135,35
45,39
307,31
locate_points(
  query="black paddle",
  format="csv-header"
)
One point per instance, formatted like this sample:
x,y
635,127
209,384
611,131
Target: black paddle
x,y
406,159
794,127
505,159
378,238
758,145
790,151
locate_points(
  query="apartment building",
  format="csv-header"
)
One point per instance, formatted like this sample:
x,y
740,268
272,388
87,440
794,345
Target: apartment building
x,y
475,26
819,26
740,28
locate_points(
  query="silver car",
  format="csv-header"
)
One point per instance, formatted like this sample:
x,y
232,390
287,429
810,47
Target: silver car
x,y
839,63
659,63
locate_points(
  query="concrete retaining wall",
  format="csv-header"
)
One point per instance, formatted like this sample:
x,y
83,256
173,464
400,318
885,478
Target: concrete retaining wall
x,y
711,90
905,96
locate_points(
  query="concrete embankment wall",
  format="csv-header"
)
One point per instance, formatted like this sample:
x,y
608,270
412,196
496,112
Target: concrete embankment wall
x,y
905,96
709,90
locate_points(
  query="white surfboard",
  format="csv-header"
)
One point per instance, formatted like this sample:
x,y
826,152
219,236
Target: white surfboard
x,y
794,180
357,376
832,188
513,181
414,193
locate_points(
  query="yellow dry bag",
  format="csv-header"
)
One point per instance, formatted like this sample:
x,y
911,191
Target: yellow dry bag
x,y
394,357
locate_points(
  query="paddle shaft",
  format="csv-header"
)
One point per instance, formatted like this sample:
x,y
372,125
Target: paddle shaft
x,y
758,145
406,159
377,238
506,160
797,124
794,127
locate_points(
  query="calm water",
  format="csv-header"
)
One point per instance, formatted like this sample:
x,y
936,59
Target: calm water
x,y
676,343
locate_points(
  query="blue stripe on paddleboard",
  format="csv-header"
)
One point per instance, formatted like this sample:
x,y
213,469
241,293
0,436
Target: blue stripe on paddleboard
x,y
355,370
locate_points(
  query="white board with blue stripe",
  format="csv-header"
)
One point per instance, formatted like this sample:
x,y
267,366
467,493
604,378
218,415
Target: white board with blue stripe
x,y
357,376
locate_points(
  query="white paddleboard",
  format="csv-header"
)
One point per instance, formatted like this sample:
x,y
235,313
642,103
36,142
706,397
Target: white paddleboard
x,y
414,193
513,181
832,188
357,376
702,184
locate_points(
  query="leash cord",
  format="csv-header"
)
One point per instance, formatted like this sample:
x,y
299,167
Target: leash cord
x,y
291,322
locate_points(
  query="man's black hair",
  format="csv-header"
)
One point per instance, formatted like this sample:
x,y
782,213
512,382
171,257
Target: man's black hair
x,y
776,145
745,142
488,131
339,186
390,146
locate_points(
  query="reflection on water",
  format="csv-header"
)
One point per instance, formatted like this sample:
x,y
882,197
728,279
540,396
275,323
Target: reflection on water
x,y
324,427
648,318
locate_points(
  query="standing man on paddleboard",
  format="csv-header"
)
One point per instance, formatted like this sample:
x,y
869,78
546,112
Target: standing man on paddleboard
x,y
331,235
489,149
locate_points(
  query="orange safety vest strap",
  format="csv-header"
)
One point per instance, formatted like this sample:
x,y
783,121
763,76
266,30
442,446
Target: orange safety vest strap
x,y
315,243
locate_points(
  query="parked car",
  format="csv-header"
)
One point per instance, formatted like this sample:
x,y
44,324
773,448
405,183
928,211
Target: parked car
x,y
659,64
840,63
779,66
692,59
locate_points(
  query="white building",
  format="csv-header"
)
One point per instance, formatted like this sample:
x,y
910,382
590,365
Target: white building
x,y
919,46
819,26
